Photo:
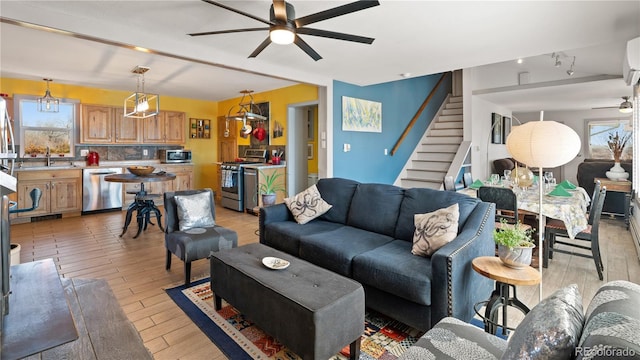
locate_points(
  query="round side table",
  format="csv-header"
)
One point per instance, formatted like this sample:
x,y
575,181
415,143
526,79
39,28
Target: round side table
x,y
506,281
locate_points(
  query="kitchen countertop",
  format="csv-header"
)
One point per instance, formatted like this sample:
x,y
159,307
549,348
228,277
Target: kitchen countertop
x,y
263,166
79,165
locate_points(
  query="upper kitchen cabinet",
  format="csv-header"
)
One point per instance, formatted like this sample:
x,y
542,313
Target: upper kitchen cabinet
x,y
102,124
168,127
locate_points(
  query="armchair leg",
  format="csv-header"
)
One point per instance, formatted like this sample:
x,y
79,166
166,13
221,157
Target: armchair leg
x,y
187,273
168,262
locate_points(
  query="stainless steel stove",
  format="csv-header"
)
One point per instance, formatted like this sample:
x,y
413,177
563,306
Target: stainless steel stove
x,y
232,178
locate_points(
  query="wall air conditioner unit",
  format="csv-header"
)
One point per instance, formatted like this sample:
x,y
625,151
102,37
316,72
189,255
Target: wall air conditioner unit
x,y
631,64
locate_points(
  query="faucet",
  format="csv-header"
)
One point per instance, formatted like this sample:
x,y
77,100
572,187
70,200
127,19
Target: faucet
x,y
48,156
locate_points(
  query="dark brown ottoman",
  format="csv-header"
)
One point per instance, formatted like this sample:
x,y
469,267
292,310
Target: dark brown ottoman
x,y
313,311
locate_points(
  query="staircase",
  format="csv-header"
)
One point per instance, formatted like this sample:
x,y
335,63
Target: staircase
x,y
437,150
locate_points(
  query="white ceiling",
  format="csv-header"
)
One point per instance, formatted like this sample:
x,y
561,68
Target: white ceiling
x,y
417,37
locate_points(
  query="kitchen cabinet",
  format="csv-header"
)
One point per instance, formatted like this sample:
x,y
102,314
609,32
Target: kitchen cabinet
x,y
168,127
227,145
252,196
102,124
61,192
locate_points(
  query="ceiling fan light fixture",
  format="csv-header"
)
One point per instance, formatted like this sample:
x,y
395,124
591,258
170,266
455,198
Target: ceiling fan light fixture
x,y
626,106
282,35
48,103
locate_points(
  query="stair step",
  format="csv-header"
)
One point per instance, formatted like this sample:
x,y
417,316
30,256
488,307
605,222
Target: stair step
x,y
446,118
456,111
430,165
448,125
456,132
439,148
455,99
417,183
457,105
442,140
426,175
435,156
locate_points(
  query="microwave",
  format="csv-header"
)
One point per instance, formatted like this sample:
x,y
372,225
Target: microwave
x,y
175,156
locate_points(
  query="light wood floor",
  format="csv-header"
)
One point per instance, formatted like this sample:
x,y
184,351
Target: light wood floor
x,y
90,247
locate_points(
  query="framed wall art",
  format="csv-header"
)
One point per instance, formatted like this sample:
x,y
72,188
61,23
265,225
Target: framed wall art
x,y
506,123
497,129
361,115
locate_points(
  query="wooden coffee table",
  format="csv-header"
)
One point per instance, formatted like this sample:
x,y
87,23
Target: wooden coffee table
x,y
506,281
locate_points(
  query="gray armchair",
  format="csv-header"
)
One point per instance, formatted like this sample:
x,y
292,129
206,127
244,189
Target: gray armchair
x,y
197,243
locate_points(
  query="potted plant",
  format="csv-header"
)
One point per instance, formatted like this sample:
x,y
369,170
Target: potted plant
x,y
269,186
515,246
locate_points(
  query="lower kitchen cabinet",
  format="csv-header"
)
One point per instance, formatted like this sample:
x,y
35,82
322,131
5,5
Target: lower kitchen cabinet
x,y
61,192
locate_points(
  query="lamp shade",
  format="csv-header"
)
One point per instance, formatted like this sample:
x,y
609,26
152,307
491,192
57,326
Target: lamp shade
x,y
543,144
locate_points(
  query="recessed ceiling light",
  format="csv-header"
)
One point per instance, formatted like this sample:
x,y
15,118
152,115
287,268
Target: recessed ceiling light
x,y
520,61
405,75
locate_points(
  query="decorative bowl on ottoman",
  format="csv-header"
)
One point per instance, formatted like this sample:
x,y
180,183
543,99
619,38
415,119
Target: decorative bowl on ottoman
x,y
141,170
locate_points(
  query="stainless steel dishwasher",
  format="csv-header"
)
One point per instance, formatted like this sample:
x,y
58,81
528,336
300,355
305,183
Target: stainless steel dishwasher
x,y
250,189
98,194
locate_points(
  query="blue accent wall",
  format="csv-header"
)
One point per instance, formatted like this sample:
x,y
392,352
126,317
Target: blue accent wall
x,y
400,100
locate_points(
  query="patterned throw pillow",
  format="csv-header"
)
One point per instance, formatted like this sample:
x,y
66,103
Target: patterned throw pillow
x,y
307,205
551,329
434,230
194,211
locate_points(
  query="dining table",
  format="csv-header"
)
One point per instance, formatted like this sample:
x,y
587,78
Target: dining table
x,y
143,205
571,210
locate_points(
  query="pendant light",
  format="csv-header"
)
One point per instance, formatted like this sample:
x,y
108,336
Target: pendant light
x,y
245,110
48,103
141,105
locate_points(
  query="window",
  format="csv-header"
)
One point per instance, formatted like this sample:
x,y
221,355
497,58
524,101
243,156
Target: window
x,y
41,130
598,134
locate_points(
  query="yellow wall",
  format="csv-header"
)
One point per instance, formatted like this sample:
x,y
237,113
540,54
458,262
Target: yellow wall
x,y
204,150
278,101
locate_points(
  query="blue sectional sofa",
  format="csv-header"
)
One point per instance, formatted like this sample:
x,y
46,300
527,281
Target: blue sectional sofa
x,y
367,235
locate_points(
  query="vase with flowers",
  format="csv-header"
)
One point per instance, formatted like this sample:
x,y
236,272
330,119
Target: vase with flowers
x,y
617,143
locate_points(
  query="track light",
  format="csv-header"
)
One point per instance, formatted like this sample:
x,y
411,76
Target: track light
x,y
558,62
626,106
570,71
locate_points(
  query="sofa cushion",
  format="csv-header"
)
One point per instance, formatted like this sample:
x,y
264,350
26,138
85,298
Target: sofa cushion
x,y
612,323
334,250
375,207
392,268
454,339
551,329
434,230
421,200
307,205
285,235
337,192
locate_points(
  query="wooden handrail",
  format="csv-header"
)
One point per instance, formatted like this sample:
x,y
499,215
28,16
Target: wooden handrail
x,y
418,113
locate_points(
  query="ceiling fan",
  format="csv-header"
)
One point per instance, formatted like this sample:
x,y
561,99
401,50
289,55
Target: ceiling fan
x,y
625,106
285,28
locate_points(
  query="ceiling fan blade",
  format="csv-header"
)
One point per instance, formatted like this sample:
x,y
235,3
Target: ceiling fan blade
x,y
337,11
335,35
227,31
306,48
260,47
606,107
280,10
238,11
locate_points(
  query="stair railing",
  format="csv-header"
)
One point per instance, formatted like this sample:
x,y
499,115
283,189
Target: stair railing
x,y
458,160
418,113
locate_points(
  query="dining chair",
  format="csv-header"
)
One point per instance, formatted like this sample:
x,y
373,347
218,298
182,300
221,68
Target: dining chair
x,y
449,183
506,205
590,234
558,225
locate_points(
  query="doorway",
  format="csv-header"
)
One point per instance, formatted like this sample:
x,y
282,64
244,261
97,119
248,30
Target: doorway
x,y
302,148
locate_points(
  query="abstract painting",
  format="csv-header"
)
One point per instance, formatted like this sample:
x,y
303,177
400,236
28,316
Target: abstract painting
x,y
361,115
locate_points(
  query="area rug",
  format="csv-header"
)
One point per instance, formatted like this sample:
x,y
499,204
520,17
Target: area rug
x,y
239,338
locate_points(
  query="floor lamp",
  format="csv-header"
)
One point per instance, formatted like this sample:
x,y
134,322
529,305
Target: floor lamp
x,y
543,144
